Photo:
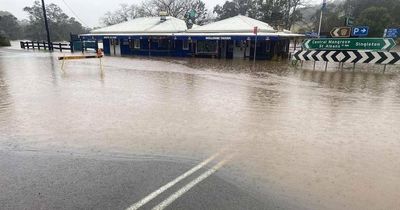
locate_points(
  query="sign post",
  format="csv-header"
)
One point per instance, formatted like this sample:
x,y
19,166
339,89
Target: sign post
x,y
255,43
320,17
373,44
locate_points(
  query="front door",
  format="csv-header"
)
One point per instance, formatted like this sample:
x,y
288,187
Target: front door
x,y
115,47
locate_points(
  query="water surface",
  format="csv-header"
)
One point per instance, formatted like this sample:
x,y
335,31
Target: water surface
x,y
303,139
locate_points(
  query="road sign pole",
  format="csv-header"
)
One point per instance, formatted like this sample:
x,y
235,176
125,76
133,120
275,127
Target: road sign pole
x,y
255,30
320,23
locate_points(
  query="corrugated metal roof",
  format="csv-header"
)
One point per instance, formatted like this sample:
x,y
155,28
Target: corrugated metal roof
x,y
145,25
237,24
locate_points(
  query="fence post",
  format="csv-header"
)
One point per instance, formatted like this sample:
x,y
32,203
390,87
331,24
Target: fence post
x,y
71,45
33,45
27,45
44,45
38,45
59,44
22,45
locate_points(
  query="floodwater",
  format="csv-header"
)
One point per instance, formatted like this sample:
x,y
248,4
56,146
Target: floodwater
x,y
302,139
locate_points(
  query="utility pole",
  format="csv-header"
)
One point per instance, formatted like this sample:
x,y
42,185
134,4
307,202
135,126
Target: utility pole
x,y
320,18
47,26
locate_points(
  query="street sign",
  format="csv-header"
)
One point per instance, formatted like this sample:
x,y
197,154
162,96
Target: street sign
x,y
311,34
392,32
349,21
386,58
341,32
373,44
360,31
255,30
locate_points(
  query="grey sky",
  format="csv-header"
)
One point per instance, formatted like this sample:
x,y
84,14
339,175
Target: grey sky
x,y
88,11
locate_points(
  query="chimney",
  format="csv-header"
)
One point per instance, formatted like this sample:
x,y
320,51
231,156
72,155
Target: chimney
x,y
163,16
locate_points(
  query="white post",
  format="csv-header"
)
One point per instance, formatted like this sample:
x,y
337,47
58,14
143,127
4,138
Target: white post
x,y
255,48
320,18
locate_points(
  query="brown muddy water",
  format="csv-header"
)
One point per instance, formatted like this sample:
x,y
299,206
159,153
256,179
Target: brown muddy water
x,y
302,139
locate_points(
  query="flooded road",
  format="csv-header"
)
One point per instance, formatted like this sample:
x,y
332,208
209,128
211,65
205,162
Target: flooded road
x,y
300,139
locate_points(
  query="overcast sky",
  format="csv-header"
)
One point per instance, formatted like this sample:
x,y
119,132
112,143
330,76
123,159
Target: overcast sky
x,y
88,11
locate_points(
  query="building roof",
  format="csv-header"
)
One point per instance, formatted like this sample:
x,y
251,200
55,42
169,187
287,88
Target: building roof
x,y
145,25
237,24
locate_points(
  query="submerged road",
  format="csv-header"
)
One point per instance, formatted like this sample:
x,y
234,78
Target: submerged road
x,y
34,180
162,133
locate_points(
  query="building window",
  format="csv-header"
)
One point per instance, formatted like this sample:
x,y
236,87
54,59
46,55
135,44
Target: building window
x,y
185,45
137,43
207,47
163,44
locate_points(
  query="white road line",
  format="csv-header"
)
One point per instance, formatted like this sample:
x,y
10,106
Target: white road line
x,y
171,183
191,184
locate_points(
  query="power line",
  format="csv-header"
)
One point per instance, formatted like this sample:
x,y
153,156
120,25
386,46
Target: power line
x,y
72,11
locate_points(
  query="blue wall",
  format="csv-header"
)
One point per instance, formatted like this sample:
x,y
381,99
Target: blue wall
x,y
173,46
106,46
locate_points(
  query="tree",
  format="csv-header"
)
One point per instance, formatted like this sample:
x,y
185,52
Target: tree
x,y
124,13
377,18
236,7
60,24
278,13
9,26
177,8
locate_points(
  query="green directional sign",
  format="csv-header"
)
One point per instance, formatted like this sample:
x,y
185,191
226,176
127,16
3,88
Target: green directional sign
x,y
373,44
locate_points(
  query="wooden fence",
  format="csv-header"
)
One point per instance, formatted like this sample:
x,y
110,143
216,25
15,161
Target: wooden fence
x,y
46,46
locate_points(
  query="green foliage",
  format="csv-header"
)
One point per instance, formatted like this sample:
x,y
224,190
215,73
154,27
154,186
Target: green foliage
x,y
175,8
3,40
278,13
9,26
59,23
236,7
377,18
377,14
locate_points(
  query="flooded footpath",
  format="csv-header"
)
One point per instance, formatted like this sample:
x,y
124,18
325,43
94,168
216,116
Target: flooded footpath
x,y
300,139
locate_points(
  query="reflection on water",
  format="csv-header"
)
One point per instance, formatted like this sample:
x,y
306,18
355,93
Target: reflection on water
x,y
305,139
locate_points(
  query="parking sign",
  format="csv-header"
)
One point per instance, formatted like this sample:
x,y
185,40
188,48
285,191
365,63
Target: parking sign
x,y
360,31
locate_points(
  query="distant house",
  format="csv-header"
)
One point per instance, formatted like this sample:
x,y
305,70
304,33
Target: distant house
x,y
233,37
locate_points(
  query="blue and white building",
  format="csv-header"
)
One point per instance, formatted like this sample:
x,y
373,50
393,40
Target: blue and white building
x,y
168,36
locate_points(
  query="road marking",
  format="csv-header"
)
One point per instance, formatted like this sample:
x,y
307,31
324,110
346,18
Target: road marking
x,y
190,185
171,183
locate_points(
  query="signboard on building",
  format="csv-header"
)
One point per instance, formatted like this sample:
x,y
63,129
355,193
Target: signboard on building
x,y
392,32
373,44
